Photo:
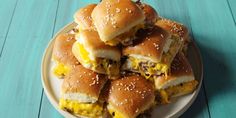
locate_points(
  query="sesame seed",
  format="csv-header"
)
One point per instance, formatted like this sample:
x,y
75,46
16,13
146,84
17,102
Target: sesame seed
x,y
118,10
162,36
130,11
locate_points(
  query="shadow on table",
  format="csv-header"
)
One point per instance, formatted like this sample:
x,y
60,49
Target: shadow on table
x,y
216,78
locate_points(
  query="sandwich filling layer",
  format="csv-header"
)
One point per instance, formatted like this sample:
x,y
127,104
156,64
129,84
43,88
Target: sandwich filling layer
x,y
164,95
151,69
84,109
110,66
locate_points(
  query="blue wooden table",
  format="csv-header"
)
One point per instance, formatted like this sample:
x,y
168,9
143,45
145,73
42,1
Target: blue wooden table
x,y
26,26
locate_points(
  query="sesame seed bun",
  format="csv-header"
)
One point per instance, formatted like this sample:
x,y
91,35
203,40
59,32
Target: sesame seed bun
x,y
62,50
130,95
181,72
83,17
113,18
149,45
151,16
174,28
83,85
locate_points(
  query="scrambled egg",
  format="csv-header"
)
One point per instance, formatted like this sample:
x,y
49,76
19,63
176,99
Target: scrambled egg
x,y
157,69
109,68
115,114
84,54
60,70
166,94
84,109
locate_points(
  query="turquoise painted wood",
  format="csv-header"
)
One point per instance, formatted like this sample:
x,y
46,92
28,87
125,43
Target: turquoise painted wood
x,y
6,13
20,84
232,7
214,30
177,10
66,10
28,25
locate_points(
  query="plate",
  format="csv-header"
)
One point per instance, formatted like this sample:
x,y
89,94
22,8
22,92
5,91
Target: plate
x,y
52,85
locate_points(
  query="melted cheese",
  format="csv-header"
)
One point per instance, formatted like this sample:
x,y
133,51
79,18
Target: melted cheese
x,y
84,109
115,114
173,91
60,70
151,70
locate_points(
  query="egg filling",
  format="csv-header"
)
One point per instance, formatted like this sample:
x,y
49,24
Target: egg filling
x,y
163,96
111,67
85,109
60,70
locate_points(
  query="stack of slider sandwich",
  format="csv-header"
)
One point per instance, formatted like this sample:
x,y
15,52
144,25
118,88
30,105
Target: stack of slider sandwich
x,y
121,60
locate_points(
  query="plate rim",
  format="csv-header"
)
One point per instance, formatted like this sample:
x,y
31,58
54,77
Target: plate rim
x,y
54,103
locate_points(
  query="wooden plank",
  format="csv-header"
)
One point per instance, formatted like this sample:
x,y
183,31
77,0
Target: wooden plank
x,y
214,31
177,10
7,9
232,7
29,33
65,14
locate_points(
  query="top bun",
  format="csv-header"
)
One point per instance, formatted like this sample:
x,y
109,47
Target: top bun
x,y
62,50
83,17
112,18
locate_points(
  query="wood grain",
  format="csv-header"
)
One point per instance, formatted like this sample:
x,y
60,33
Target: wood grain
x,y
232,8
7,10
214,30
29,33
66,10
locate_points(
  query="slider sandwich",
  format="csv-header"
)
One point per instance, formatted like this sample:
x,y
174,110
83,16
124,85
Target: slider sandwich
x,y
117,21
62,55
176,29
83,17
80,93
152,54
179,82
93,54
130,96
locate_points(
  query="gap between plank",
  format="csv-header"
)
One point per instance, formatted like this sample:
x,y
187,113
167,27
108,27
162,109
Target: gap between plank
x,y
203,84
230,9
206,99
41,99
8,28
54,26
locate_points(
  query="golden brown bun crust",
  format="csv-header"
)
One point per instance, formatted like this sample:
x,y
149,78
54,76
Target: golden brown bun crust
x,y
174,28
113,17
82,80
62,50
151,16
83,17
93,42
150,44
179,67
131,95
